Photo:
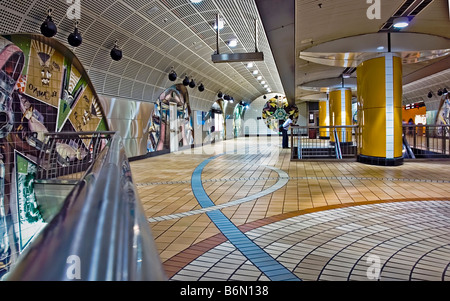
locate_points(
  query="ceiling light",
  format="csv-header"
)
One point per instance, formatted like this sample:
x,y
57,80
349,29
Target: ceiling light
x,y
201,88
401,22
173,75
380,48
255,72
259,77
250,65
232,43
430,94
116,52
266,86
221,24
48,28
186,81
196,1
192,84
75,39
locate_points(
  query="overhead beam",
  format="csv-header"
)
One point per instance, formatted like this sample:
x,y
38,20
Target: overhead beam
x,y
280,31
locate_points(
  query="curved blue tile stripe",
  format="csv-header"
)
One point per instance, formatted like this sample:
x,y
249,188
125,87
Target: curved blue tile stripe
x,y
260,258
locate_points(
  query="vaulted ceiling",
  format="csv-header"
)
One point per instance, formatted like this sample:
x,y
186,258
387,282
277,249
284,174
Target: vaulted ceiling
x,y
156,35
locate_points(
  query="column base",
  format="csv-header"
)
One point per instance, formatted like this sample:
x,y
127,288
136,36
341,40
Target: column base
x,y
380,161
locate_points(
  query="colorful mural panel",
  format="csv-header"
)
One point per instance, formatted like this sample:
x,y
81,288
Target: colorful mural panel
x,y
41,91
160,122
278,109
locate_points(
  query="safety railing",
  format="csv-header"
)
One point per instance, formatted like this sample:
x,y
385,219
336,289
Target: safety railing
x,y
101,233
323,142
428,141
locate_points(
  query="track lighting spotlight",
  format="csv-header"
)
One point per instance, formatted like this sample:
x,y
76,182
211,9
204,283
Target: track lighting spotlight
x,y
48,28
173,75
75,39
186,81
201,88
116,53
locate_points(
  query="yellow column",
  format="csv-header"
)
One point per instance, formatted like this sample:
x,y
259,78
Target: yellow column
x,y
380,111
324,118
341,113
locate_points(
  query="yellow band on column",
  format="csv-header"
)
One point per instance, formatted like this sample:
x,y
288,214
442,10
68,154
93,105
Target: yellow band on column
x,y
380,112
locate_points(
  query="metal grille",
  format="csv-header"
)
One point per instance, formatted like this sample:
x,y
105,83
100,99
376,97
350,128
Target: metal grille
x,y
427,141
66,156
329,142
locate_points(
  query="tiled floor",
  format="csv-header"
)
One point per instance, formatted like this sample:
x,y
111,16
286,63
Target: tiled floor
x,y
270,200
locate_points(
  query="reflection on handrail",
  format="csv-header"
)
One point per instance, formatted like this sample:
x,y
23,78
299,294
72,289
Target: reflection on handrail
x,y
101,232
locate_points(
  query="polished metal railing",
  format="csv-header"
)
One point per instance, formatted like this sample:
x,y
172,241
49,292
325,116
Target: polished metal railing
x,y
314,142
323,142
428,141
100,234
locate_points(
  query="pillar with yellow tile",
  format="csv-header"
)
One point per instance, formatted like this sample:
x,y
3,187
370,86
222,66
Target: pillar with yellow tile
x,y
341,113
380,111
324,119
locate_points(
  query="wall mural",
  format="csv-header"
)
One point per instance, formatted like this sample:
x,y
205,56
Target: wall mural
x,y
443,116
277,109
238,116
159,127
41,91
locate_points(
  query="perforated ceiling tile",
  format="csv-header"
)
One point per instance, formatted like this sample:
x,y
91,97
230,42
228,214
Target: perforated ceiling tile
x,y
9,21
154,35
134,23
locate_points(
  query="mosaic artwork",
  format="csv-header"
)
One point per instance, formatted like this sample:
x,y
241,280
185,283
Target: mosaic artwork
x,y
278,109
41,91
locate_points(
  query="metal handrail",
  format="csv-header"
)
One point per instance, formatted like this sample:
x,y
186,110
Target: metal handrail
x,y
100,234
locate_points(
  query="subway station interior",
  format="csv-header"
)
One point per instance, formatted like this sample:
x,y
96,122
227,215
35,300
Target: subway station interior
x,y
149,140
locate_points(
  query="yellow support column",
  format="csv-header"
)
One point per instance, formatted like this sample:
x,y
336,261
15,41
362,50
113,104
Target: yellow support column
x,y
341,113
324,119
380,111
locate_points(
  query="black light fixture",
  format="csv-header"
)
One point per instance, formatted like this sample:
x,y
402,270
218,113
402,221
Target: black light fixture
x,y
440,92
445,91
173,75
116,52
201,87
186,81
192,84
220,94
265,97
75,39
48,28
430,94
